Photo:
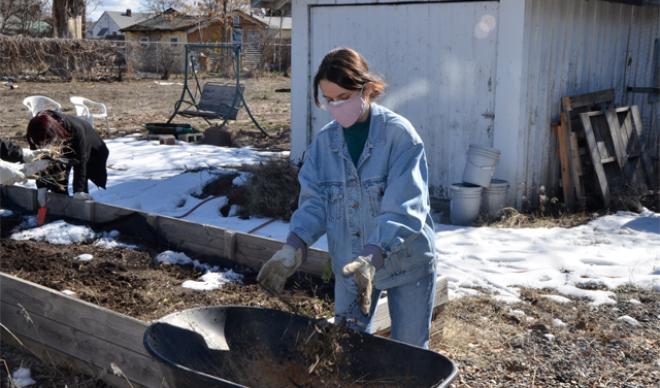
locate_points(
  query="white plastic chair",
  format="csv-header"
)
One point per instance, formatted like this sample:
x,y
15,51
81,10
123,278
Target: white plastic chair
x,y
90,110
36,104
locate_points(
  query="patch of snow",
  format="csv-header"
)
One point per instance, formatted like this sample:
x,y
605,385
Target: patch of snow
x,y
85,257
69,293
549,337
556,298
634,301
611,251
22,377
556,322
629,320
518,314
213,280
6,213
58,233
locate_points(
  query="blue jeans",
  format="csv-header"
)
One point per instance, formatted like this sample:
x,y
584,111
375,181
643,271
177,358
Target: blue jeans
x,y
411,308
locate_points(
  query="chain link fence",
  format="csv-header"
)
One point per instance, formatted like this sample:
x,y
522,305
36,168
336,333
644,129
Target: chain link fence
x,y
33,58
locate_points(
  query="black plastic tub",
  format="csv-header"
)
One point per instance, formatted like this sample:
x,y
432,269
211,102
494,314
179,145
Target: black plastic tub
x,y
232,346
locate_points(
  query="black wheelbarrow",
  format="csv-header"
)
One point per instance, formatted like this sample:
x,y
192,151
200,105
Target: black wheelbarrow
x,y
233,346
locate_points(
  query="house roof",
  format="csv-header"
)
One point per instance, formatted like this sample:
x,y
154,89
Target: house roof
x,y
124,21
170,20
286,4
276,22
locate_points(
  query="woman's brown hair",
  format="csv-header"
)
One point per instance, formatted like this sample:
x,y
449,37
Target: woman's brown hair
x,y
44,128
348,69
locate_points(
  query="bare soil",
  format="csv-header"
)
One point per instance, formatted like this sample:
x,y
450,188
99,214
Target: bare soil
x,y
133,103
128,281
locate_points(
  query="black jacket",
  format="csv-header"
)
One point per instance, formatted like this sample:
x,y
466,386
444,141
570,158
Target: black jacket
x,y
11,152
86,151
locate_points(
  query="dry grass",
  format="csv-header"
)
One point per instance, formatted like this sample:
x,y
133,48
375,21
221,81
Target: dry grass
x,y
512,218
494,348
133,103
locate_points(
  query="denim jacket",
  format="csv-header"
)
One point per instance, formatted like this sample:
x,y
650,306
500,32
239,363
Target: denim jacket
x,y
383,201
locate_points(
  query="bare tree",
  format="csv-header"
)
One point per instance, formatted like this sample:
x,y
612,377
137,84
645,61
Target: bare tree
x,y
159,6
68,18
20,16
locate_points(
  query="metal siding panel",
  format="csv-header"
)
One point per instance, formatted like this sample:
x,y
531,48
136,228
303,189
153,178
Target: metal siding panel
x,y
443,83
579,46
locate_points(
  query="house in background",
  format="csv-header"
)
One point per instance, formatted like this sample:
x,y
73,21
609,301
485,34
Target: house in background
x,y
110,23
484,72
176,28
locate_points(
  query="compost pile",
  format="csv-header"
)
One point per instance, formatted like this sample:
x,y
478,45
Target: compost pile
x,y
128,281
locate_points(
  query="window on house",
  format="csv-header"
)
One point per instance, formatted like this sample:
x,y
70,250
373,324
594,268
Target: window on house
x,y
174,41
144,40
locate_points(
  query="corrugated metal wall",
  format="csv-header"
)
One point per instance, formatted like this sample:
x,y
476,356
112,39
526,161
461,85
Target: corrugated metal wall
x,y
439,61
579,46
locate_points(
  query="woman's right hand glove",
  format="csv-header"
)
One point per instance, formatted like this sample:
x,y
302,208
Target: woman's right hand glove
x,y
11,173
279,268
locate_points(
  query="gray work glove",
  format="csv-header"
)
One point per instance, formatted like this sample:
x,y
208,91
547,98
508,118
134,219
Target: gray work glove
x,y
32,168
279,268
363,269
11,173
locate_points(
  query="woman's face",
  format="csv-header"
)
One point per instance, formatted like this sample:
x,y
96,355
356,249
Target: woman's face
x,y
333,92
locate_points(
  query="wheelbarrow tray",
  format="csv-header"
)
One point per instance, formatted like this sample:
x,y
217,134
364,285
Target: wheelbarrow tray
x,y
236,346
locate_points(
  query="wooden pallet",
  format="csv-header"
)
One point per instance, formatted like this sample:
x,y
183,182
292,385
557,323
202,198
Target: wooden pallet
x,y
616,151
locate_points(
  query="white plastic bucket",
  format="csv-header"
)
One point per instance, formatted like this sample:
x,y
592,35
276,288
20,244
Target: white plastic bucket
x,y
494,197
480,165
464,203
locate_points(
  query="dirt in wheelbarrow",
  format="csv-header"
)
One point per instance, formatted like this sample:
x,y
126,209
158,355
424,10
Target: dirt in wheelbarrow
x,y
130,282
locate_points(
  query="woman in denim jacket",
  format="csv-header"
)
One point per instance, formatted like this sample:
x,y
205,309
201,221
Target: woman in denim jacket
x,y
364,182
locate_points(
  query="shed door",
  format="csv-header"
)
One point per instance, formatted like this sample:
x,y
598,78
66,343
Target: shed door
x,y
439,61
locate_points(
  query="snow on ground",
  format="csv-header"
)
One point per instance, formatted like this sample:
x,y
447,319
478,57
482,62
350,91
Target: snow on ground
x,y
212,279
610,251
22,377
62,233
606,253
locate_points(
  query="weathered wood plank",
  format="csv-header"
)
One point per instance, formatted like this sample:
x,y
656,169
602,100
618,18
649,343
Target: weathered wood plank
x,y
253,251
596,157
381,321
104,213
62,205
177,232
57,359
80,344
20,196
125,331
616,135
563,141
652,177
587,100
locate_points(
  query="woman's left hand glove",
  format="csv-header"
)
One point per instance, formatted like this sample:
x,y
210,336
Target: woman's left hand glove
x,y
363,269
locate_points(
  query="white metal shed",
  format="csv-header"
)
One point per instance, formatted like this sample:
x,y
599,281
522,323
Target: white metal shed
x,y
486,72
